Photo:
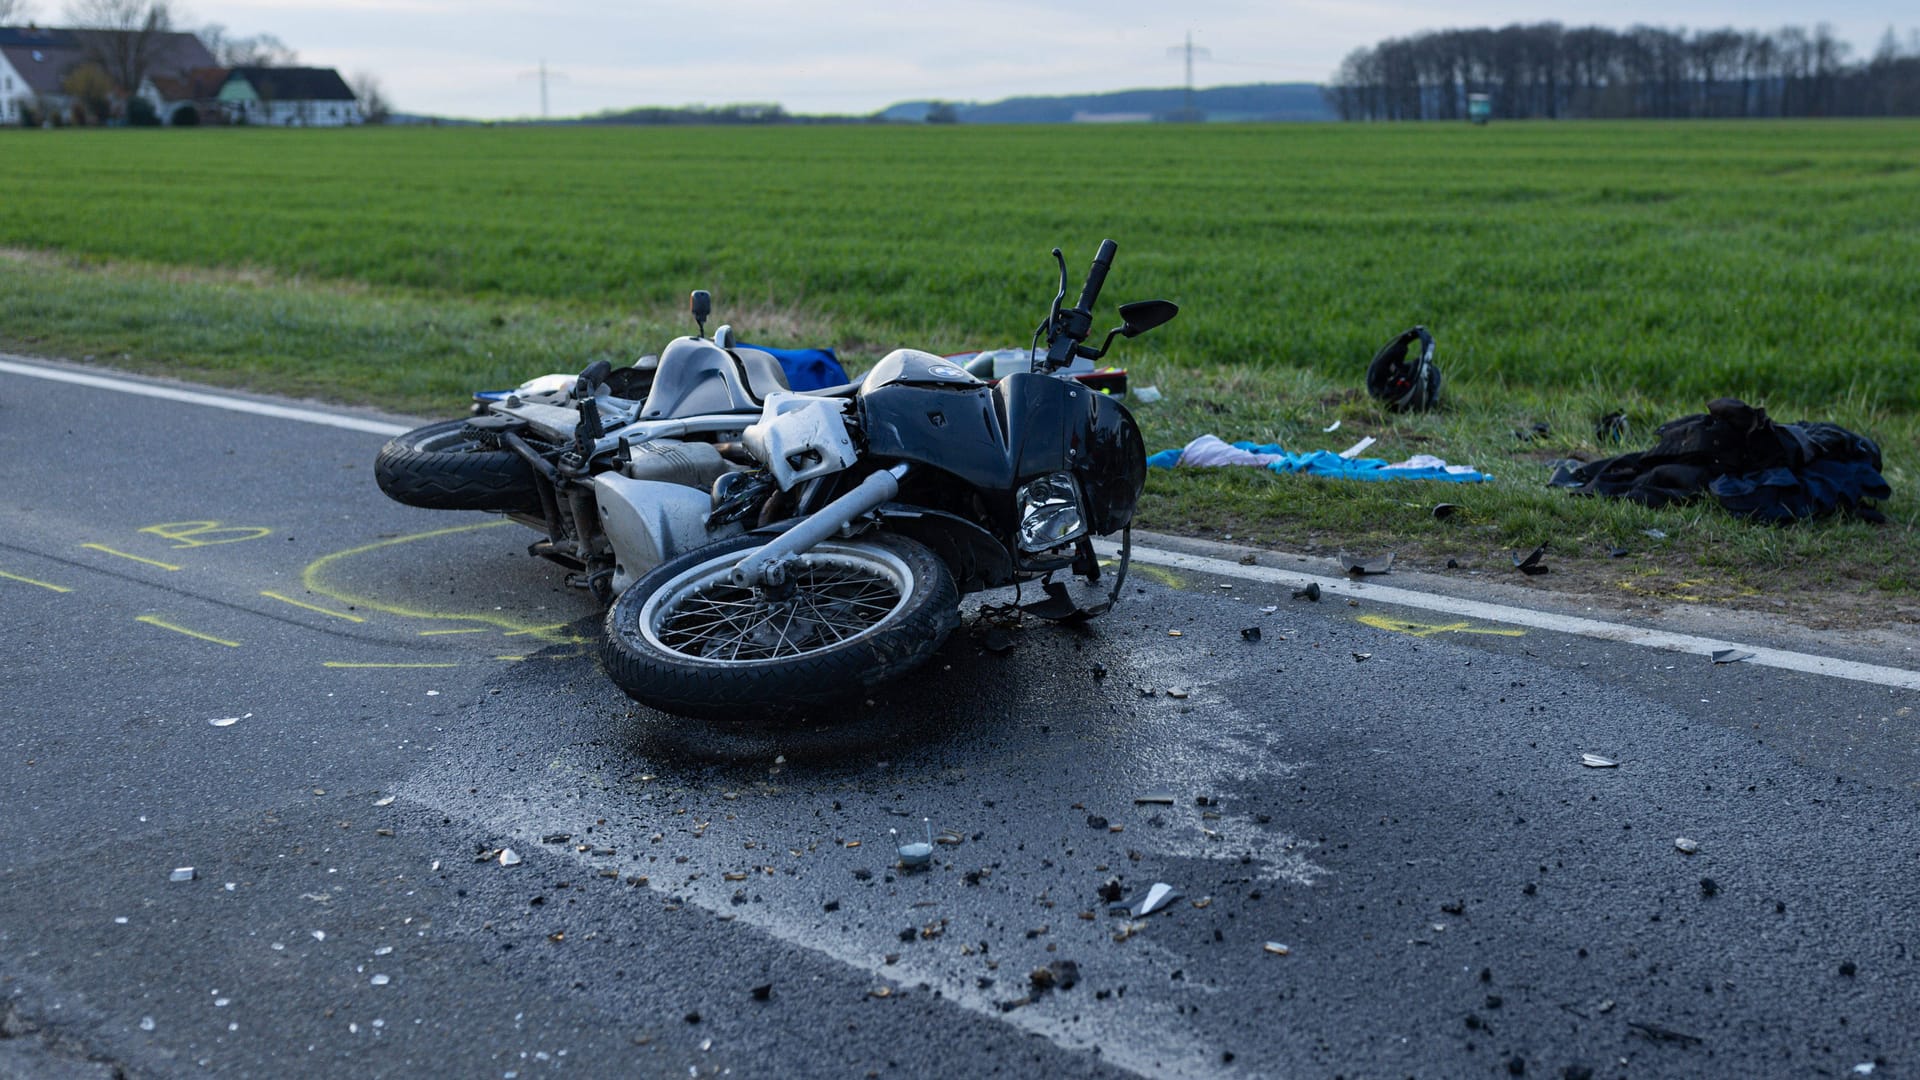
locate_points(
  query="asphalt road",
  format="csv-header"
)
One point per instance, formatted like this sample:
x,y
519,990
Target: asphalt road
x,y
1390,857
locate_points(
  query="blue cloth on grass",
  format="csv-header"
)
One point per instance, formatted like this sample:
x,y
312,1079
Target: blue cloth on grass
x,y
807,369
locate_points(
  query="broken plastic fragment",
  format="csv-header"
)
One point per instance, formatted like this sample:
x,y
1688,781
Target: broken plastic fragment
x,y
385,800
1530,563
1730,656
380,980
146,1023
1335,426
1276,948
1249,633
1362,567
182,873
1176,692
1655,534
916,855
1685,846
509,857
1362,656
1146,395
1595,761
1617,553
1269,609
1311,592
1446,510
227,721
1157,798
1159,896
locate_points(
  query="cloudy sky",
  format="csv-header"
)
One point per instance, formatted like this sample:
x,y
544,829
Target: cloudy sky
x,y
477,58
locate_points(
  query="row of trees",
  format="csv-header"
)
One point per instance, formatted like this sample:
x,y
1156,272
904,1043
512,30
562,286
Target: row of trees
x,y
1548,71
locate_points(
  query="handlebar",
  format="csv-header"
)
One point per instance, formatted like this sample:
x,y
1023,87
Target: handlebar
x,y
1067,329
1097,275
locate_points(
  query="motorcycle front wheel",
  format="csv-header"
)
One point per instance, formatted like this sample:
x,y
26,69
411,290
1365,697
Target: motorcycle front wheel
x,y
445,466
686,640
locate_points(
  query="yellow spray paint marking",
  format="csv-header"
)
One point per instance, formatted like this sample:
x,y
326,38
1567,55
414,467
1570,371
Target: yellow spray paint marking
x,y
443,633
31,581
1689,591
1160,574
1403,626
271,595
193,534
318,572
155,620
150,562
350,663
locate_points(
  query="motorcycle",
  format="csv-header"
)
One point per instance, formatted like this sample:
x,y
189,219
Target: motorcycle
x,y
560,451
873,510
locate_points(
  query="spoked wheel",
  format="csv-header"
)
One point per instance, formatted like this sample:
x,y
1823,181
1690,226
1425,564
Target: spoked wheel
x,y
446,466
684,639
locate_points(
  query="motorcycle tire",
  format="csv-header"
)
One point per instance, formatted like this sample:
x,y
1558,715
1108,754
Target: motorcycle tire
x,y
685,640
446,467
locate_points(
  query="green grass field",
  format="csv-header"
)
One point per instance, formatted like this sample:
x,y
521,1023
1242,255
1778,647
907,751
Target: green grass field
x,y
1566,269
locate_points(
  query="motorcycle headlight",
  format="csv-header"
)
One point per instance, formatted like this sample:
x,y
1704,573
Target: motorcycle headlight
x,y
1050,512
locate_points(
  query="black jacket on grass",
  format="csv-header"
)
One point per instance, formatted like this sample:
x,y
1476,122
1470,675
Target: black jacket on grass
x,y
1752,466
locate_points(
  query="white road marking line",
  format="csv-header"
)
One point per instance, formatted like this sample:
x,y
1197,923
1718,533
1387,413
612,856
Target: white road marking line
x,y
1807,663
12,366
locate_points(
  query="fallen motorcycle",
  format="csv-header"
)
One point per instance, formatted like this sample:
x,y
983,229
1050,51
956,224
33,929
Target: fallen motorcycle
x,y
540,452
838,558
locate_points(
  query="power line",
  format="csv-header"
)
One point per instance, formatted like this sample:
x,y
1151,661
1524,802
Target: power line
x,y
545,77
1191,52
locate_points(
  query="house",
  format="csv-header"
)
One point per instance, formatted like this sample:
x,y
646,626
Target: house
x,y
35,63
189,98
289,97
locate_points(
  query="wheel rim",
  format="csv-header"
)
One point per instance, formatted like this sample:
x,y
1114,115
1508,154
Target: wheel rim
x,y
456,441
840,594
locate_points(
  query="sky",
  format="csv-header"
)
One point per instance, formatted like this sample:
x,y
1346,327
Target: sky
x,y
481,58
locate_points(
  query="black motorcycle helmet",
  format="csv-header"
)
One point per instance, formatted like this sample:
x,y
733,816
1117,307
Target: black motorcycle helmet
x,y
1405,385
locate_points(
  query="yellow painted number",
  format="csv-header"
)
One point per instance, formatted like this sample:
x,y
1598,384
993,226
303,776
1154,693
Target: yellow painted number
x,y
1403,626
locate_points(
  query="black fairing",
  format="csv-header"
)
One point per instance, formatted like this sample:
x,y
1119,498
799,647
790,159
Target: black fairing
x,y
995,439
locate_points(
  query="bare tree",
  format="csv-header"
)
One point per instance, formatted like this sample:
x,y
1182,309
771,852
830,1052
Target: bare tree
x,y
374,106
122,36
259,50
15,11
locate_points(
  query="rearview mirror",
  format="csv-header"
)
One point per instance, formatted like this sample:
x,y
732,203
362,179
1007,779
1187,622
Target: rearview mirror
x,y
701,305
1143,315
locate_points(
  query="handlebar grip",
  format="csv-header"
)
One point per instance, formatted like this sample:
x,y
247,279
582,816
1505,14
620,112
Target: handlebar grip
x,y
1097,275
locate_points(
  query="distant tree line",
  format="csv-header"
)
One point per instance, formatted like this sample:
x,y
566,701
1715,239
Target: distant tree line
x,y
1547,71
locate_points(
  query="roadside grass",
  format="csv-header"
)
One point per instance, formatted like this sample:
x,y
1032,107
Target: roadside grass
x,y
1567,270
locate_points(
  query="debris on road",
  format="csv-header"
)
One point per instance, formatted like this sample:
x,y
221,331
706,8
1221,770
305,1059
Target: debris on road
x,y
1249,633
1530,563
509,857
1361,657
1277,949
1156,797
763,992
228,721
1311,592
1157,898
182,873
1330,428
917,855
1685,846
1595,761
1364,567
1730,656
385,800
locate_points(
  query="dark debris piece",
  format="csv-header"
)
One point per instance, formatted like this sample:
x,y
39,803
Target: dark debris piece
x,y
1311,592
1618,553
1656,1033
1446,510
1530,563
1364,567
1611,428
1111,890
762,992
1249,633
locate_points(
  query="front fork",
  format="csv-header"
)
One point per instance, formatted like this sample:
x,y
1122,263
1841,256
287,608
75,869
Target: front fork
x,y
767,567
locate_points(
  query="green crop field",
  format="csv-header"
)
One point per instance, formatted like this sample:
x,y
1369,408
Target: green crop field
x,y
1567,270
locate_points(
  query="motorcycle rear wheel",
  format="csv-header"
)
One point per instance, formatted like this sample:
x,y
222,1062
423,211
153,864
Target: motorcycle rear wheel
x,y
685,640
444,466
